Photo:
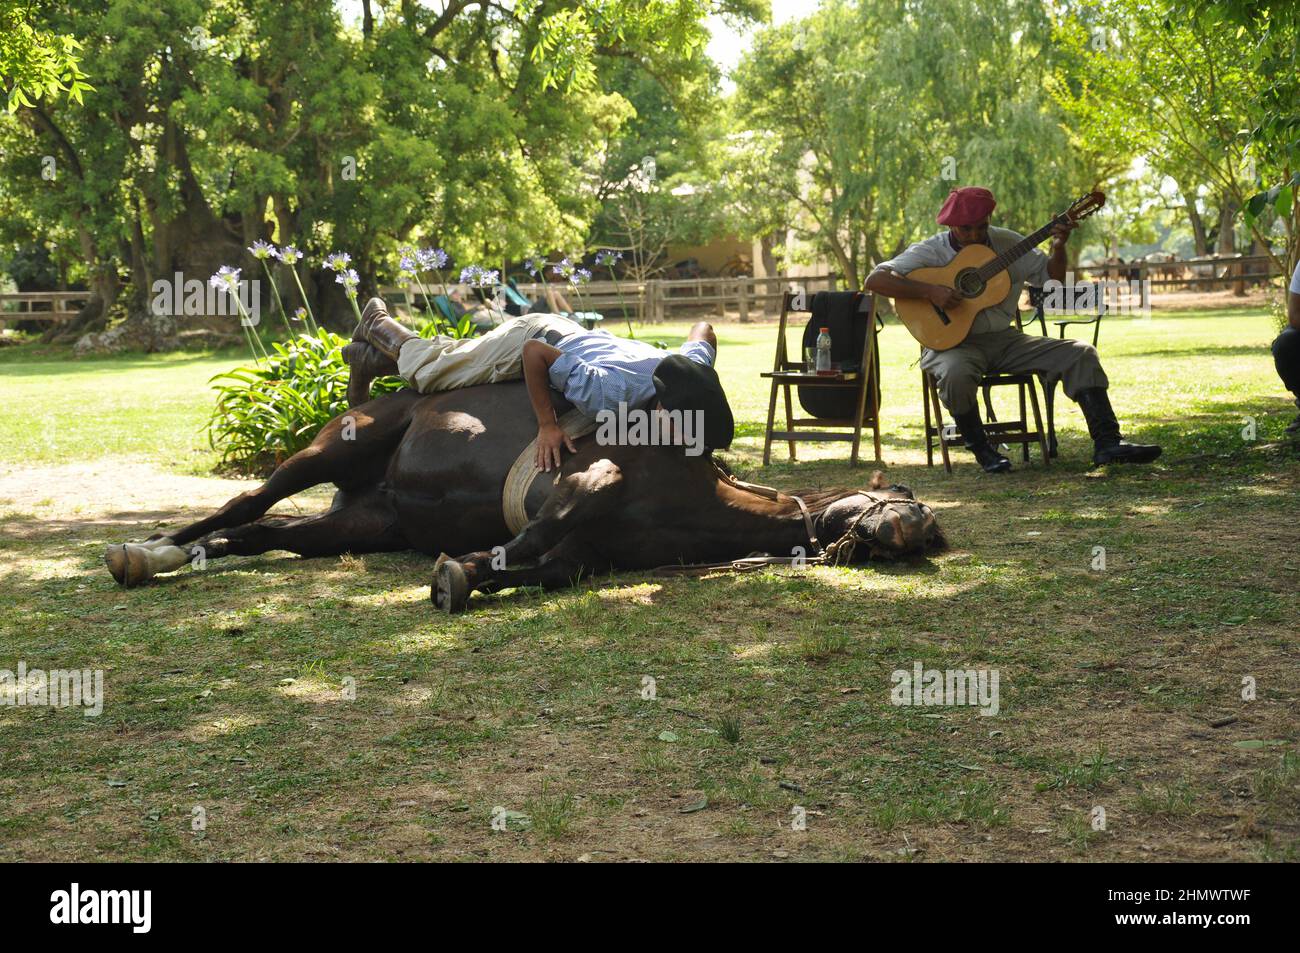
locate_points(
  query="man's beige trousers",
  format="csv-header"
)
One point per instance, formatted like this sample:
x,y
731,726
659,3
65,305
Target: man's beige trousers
x,y
443,363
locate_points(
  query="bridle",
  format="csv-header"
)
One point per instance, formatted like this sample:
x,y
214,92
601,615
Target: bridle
x,y
837,553
841,551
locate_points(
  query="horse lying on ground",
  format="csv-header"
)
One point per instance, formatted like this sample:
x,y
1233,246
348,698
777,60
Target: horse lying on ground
x,y
426,472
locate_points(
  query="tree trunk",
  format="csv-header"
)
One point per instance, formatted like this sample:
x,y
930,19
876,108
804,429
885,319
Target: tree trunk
x,y
1200,239
769,259
1228,242
103,293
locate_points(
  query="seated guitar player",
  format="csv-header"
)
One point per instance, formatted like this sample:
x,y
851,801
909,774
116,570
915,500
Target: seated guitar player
x,y
993,344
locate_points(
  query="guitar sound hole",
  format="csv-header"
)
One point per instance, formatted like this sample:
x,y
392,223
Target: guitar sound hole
x,y
969,284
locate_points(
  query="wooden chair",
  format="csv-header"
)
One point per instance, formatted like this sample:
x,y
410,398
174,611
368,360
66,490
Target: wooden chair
x,y
1094,289
865,383
999,431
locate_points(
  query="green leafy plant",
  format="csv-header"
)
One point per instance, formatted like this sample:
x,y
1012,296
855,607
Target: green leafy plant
x,y
268,412
464,328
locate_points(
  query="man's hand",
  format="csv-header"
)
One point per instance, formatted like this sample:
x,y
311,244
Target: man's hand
x,y
942,297
550,439
1061,233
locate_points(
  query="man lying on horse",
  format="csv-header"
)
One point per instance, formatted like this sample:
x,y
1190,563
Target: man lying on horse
x,y
594,370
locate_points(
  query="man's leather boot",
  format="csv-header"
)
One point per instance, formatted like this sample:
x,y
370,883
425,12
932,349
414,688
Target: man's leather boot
x,y
1108,445
376,343
977,442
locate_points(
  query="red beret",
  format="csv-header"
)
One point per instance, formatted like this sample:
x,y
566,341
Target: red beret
x,y
968,206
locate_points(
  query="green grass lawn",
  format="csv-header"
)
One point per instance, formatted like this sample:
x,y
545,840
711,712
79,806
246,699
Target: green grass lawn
x,y
227,689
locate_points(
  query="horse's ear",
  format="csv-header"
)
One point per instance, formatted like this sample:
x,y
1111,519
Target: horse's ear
x,y
878,481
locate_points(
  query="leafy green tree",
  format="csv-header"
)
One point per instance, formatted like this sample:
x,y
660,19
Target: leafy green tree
x,y
34,62
1269,35
472,127
865,114
1182,84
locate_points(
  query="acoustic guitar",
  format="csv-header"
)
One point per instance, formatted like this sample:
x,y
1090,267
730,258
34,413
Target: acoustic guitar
x,y
979,275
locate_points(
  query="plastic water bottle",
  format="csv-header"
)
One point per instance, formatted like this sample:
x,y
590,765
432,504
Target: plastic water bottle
x,y
824,352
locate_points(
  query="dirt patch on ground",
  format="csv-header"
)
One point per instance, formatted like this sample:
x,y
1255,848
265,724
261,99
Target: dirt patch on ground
x,y
106,492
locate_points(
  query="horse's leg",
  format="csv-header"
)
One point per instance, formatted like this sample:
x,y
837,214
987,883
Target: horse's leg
x,y
578,499
364,523
566,564
352,450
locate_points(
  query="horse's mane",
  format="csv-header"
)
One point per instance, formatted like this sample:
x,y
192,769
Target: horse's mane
x,y
817,501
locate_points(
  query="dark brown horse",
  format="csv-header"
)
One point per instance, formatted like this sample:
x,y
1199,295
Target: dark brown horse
x,y
426,473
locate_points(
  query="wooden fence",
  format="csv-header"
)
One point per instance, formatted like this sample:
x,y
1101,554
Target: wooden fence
x,y
1238,270
659,300
54,307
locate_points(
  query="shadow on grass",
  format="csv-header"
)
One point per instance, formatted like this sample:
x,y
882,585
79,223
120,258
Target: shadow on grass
x,y
1205,350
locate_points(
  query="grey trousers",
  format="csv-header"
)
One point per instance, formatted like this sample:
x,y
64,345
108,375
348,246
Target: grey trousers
x,y
958,371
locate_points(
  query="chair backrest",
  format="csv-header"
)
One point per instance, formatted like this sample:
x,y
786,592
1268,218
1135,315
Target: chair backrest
x,y
516,303
1082,297
848,315
447,307
840,312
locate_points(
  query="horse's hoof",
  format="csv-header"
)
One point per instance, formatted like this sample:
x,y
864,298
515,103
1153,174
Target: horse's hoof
x,y
450,589
128,563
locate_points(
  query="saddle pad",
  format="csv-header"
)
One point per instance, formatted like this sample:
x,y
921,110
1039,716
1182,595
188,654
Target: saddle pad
x,y
525,470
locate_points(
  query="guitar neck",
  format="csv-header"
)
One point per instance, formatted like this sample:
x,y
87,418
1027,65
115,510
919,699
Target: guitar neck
x,y
1018,250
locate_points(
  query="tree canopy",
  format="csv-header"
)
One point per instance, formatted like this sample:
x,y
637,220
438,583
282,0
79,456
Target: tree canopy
x,y
149,137
480,127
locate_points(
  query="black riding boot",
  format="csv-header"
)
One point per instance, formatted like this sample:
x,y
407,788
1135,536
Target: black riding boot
x,y
373,352
1108,445
977,442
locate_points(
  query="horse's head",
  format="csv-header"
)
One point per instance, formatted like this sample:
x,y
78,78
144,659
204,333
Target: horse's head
x,y
885,522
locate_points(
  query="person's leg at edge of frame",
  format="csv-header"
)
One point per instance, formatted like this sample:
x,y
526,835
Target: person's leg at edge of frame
x,y
1286,358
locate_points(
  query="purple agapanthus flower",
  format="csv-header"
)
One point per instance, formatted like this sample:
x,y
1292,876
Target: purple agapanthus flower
x,y
469,274
608,257
261,250
432,259
226,278
534,266
349,279
337,261
580,276
288,254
